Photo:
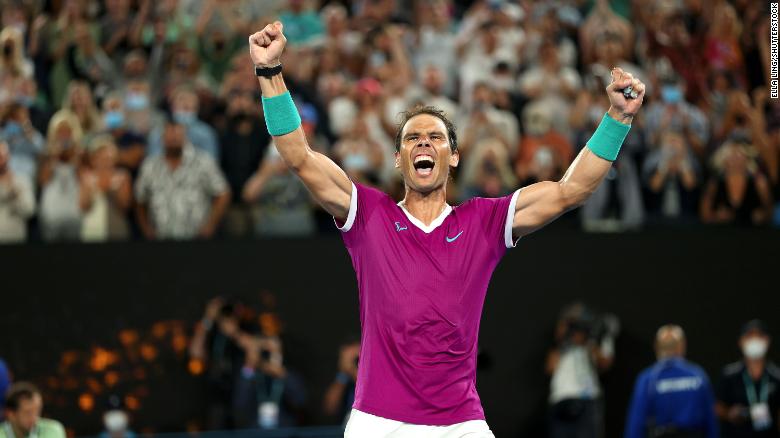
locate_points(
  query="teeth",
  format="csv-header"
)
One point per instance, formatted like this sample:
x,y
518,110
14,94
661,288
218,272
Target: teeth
x,y
419,158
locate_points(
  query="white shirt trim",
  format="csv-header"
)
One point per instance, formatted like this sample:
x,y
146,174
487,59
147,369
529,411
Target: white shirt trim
x,y
510,218
427,229
352,212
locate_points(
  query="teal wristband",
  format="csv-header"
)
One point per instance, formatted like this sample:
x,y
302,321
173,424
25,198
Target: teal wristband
x,y
608,138
281,115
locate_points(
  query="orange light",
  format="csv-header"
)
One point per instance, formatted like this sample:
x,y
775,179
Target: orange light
x,y
128,337
94,385
195,367
111,378
102,359
86,402
159,329
132,403
148,352
179,343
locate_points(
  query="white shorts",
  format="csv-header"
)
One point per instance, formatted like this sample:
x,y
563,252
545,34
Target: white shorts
x,y
365,425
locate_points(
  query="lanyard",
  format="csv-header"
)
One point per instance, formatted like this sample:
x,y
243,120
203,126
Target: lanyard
x,y
753,396
266,394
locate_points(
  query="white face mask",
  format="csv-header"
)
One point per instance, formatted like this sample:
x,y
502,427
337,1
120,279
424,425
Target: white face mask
x,y
755,348
115,421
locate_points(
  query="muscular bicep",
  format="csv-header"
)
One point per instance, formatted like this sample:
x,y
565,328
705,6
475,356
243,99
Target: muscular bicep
x,y
541,203
537,205
327,182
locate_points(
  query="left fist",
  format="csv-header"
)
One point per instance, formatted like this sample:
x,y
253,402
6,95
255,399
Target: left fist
x,y
621,108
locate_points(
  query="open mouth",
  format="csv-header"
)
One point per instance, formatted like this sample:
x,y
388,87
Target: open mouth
x,y
423,165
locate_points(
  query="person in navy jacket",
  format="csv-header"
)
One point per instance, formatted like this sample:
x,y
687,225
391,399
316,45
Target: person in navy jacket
x,y
672,398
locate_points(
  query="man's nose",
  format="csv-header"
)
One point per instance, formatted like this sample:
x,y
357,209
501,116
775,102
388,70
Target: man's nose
x,y
424,141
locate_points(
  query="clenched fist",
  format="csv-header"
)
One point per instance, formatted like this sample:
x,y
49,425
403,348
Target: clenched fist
x,y
265,47
624,109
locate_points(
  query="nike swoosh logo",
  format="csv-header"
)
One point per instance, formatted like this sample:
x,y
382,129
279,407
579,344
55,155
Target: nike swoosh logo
x,y
452,239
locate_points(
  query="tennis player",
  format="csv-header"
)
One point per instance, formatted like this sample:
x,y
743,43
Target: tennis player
x,y
423,266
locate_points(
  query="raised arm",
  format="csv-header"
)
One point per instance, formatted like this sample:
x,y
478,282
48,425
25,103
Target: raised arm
x,y
329,185
540,203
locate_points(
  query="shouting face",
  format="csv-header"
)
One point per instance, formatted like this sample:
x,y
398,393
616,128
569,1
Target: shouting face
x,y
424,155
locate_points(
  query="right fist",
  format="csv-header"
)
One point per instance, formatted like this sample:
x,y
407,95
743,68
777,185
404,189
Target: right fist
x,y
265,47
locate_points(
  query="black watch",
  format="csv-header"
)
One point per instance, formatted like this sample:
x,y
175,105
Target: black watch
x,y
267,72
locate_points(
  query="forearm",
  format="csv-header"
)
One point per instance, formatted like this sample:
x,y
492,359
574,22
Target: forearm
x,y
333,397
218,207
143,221
291,146
582,178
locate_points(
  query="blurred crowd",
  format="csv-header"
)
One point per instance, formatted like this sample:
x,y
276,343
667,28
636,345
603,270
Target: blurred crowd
x,y
239,353
130,118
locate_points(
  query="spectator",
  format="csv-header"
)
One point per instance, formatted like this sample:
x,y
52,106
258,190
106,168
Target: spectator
x,y
130,145
28,97
5,382
60,215
142,115
118,29
184,105
360,156
215,344
340,395
488,172
749,390
432,92
544,151
24,142
435,51
575,393
267,394
673,112
245,141
551,84
673,176
116,421
87,61
722,50
17,205
485,121
284,205
673,398
181,193
106,194
738,193
78,99
14,66
23,407
301,24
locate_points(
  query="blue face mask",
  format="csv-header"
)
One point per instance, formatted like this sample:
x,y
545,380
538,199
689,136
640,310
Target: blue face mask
x,y
26,101
671,94
114,119
12,129
357,162
136,101
184,117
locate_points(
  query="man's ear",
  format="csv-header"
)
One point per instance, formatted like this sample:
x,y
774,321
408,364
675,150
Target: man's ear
x,y
397,160
455,158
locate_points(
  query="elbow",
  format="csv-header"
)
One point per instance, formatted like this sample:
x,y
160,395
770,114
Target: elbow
x,y
573,195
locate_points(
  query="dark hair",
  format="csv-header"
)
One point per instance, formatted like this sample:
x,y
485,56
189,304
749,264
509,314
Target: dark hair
x,y
452,137
17,392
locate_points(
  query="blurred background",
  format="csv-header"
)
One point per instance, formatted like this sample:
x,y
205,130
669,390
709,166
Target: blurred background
x,y
218,297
